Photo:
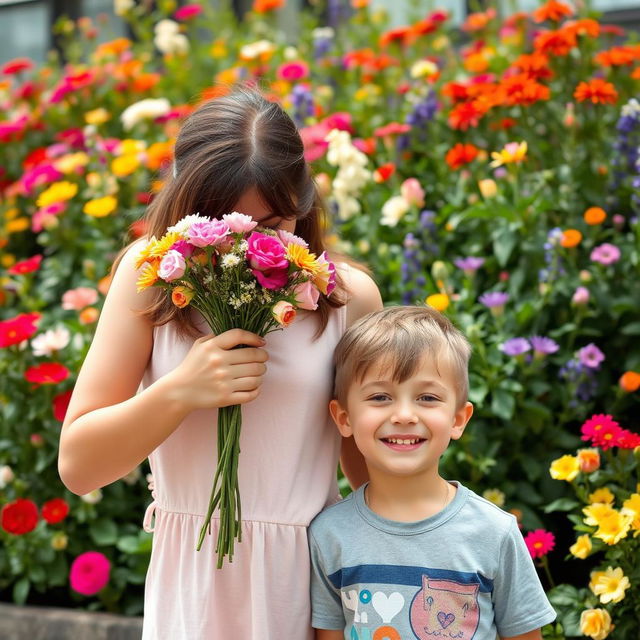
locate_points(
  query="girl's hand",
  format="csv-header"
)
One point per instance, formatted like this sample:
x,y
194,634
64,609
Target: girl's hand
x,y
215,374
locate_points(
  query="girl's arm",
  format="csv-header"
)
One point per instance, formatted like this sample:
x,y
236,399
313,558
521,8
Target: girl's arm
x,y
108,429
531,635
364,299
329,634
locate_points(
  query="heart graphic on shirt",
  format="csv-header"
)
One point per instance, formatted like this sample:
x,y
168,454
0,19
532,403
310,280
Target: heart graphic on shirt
x,y
445,619
387,607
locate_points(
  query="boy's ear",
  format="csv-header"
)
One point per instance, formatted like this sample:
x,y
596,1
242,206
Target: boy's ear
x,y
341,418
462,416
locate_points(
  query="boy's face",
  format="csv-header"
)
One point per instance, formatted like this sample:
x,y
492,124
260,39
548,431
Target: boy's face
x,y
402,428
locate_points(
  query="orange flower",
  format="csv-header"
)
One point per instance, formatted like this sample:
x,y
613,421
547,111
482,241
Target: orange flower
x,y
521,89
145,81
557,43
284,312
478,21
630,381
359,4
114,47
384,172
597,90
585,26
182,296
635,74
588,460
535,65
570,238
465,115
264,6
461,154
616,56
552,10
400,35
594,215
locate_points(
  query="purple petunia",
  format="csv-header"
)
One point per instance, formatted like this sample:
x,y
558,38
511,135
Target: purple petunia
x,y
591,356
605,254
543,346
469,265
515,346
493,299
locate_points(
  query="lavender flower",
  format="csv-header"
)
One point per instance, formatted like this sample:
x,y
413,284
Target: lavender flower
x,y
605,254
494,299
469,265
515,346
543,346
575,373
322,41
590,356
303,105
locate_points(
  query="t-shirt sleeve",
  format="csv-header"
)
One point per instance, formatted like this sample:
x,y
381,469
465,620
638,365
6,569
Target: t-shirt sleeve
x,y
519,601
326,607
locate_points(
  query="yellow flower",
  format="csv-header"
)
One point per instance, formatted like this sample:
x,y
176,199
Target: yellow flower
x,y
70,162
218,49
609,585
148,277
97,116
439,301
512,153
582,547
17,225
125,165
613,527
57,192
7,259
145,253
488,188
12,213
130,145
160,247
596,513
100,207
602,495
423,68
302,257
564,468
631,507
595,623
494,495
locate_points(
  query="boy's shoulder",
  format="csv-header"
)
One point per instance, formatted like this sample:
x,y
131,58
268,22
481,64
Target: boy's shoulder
x,y
335,516
481,510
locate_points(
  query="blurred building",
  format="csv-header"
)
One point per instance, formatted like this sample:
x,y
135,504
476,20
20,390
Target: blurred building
x,y
26,25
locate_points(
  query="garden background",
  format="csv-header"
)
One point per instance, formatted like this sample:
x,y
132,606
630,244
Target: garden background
x,y
489,170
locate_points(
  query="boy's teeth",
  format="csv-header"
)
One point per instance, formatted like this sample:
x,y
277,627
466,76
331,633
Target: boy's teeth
x,y
402,441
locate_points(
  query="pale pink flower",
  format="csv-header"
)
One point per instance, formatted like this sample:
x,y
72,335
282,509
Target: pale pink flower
x,y
172,266
412,192
289,238
207,233
78,299
580,296
306,295
284,312
89,573
45,344
239,222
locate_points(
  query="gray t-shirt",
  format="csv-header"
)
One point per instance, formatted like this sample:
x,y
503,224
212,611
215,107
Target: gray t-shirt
x,y
463,573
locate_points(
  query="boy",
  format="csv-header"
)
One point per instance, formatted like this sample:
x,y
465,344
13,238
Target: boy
x,y
410,555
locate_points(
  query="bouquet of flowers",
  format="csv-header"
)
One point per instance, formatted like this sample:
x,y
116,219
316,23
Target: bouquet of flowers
x,y
237,275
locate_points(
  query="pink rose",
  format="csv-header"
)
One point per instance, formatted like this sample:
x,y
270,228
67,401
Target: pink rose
x,y
266,255
89,573
412,192
284,312
183,247
172,266
289,238
306,295
239,222
207,233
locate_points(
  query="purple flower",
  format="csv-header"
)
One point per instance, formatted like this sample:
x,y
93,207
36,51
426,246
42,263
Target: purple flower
x,y
515,346
591,356
493,299
543,346
605,254
469,265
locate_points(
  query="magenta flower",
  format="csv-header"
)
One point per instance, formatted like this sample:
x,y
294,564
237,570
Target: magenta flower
x,y
493,299
543,346
601,430
515,346
605,254
539,542
89,573
187,12
469,265
266,255
590,356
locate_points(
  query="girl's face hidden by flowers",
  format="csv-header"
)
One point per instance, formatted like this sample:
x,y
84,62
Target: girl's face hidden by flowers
x,y
252,205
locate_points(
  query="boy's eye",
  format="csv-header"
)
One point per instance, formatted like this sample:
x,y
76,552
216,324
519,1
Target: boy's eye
x,y
427,397
379,397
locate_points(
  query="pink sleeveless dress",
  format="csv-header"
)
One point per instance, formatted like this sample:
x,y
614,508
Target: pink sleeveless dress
x,y
287,474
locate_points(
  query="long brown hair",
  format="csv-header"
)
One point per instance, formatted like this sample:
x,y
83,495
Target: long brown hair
x,y
226,146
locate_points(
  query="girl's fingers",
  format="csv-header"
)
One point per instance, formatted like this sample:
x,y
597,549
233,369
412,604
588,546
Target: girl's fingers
x,y
250,383
244,356
234,337
254,369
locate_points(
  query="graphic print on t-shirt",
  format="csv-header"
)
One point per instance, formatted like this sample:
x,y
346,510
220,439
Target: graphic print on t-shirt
x,y
388,602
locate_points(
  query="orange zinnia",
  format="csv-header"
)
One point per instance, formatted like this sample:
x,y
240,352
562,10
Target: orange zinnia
x,y
521,89
552,10
400,35
597,90
570,238
583,27
465,115
630,381
557,43
594,215
478,21
461,154
264,6
616,56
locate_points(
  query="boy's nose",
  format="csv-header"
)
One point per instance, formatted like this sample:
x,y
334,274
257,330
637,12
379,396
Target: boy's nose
x,y
404,414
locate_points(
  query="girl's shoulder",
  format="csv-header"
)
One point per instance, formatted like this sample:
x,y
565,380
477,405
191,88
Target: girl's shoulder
x,y
363,295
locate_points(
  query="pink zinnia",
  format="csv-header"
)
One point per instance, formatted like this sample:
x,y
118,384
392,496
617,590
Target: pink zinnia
x,y
539,542
78,299
293,71
89,573
600,429
187,12
605,254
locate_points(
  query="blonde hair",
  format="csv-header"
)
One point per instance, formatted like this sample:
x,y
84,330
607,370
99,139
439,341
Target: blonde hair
x,y
401,336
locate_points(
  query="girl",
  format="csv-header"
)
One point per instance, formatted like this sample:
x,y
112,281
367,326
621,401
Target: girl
x,y
152,381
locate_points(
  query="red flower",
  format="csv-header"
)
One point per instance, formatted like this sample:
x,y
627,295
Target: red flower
x,y
597,90
384,172
461,154
557,43
19,517
47,373
26,266
552,10
54,511
539,542
465,115
391,129
15,330
601,430
264,6
61,404
401,35
16,65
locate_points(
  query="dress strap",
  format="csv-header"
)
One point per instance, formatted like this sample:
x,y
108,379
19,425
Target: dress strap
x,y
148,521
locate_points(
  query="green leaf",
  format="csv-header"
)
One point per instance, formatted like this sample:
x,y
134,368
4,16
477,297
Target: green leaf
x,y
502,404
504,241
104,532
562,504
564,595
21,590
632,329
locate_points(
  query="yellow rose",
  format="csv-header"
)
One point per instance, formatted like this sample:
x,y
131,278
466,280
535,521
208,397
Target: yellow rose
x,y
284,312
182,296
595,623
582,547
